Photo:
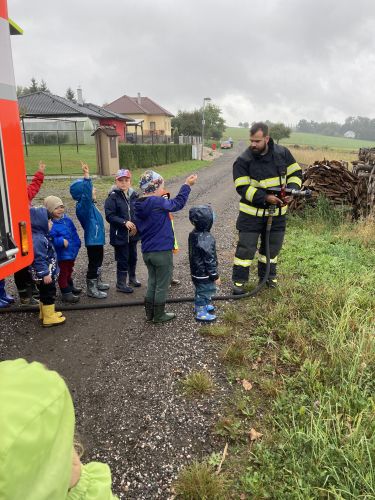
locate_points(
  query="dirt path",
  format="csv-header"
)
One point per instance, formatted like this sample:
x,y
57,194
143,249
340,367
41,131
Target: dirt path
x,y
125,374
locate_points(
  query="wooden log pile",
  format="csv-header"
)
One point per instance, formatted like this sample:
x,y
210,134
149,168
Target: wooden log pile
x,y
364,167
337,183
366,156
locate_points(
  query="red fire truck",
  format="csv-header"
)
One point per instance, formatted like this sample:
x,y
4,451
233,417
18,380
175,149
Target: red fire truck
x,y
15,232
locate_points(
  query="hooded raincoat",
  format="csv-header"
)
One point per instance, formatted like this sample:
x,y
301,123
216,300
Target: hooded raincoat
x,y
36,438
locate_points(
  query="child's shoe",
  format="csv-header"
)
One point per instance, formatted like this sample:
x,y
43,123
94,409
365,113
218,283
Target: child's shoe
x,y
121,285
203,315
3,294
93,291
76,290
50,317
69,297
101,285
209,308
27,298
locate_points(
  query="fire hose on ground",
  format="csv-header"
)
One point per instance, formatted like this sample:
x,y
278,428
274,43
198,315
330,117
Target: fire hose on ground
x,y
279,192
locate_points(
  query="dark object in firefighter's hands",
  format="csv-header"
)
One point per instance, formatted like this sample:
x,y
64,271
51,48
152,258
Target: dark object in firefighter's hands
x,y
282,193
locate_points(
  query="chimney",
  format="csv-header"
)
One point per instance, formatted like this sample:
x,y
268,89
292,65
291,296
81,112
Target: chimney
x,y
79,96
139,100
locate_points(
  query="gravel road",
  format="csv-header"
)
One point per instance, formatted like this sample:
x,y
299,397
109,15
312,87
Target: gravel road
x,y
125,374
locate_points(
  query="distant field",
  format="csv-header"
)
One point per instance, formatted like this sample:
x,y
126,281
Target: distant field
x,y
301,139
69,157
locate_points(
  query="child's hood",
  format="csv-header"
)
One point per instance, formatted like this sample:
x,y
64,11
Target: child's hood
x,y
39,220
201,217
76,189
37,429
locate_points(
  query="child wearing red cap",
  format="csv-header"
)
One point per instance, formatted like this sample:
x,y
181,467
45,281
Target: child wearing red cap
x,y
119,212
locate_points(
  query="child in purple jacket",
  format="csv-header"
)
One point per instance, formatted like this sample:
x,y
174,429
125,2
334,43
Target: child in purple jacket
x,y
155,229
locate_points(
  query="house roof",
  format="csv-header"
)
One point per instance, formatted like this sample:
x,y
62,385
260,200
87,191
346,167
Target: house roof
x,y
44,104
137,105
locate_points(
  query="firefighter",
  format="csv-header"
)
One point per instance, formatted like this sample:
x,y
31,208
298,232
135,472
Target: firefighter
x,y
262,165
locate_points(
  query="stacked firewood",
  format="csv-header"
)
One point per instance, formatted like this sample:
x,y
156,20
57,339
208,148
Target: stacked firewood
x,y
333,180
366,156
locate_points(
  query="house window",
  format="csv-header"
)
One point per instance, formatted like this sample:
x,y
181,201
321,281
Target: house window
x,y
152,125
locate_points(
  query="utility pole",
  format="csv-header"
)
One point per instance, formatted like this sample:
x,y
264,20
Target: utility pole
x,y
203,122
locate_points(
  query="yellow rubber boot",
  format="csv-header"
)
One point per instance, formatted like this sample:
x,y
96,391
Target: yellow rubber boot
x,y
50,317
59,314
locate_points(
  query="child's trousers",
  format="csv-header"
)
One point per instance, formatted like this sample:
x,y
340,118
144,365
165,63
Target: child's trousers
x,y
126,257
204,293
66,271
160,267
47,293
95,254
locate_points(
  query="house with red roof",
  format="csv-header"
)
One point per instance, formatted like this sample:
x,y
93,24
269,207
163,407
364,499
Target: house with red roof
x,y
155,120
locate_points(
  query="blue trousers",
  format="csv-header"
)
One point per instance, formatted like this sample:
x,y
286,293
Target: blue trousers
x,y
126,258
204,293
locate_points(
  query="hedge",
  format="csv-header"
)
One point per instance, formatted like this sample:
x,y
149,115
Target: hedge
x,y
150,155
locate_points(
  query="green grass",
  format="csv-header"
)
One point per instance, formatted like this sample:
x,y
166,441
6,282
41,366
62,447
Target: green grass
x,y
308,349
71,160
312,140
198,383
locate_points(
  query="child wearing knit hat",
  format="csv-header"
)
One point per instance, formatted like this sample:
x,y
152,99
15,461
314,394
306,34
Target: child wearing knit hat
x,y
157,236
66,241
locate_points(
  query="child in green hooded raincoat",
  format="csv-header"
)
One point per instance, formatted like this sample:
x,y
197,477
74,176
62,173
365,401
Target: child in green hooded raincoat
x,y
37,457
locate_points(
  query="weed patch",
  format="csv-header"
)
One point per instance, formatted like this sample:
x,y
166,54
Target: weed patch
x,y
198,383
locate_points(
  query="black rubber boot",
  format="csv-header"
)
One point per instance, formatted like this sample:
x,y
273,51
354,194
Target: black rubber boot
x,y
69,297
121,285
149,308
239,288
74,289
160,316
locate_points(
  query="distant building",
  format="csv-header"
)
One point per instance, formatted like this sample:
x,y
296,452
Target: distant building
x,y
349,134
156,120
45,115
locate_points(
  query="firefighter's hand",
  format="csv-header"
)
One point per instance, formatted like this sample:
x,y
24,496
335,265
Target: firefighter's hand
x,y
192,179
288,199
42,167
273,200
47,279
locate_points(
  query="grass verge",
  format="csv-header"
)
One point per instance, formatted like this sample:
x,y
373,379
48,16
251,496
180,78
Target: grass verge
x,y
306,429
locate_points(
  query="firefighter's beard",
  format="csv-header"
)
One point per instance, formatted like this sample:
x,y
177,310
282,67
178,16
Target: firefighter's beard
x,y
258,152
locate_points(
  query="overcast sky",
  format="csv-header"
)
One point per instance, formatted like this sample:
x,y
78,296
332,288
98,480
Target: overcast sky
x,y
281,60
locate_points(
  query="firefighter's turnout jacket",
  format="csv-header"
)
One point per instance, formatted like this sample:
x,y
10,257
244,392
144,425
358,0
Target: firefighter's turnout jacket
x,y
252,175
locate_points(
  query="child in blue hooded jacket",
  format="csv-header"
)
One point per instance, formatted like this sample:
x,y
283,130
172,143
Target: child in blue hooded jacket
x,y
44,268
83,192
67,244
155,229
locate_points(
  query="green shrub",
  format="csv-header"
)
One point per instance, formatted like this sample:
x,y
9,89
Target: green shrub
x,y
150,155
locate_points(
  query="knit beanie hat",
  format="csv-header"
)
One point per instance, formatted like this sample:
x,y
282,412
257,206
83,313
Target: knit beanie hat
x,y
150,181
52,202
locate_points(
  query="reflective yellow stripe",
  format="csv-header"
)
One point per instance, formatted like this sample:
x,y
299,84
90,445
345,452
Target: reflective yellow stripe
x,y
292,168
295,180
260,212
242,181
242,262
250,193
263,259
266,183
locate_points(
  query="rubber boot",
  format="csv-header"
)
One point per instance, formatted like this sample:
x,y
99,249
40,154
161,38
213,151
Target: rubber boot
x,y
3,294
238,288
69,297
101,285
50,318
76,290
149,308
203,315
92,290
160,316
3,304
26,297
58,313
134,282
271,282
121,285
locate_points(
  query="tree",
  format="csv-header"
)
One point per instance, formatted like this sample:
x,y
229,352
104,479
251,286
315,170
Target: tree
x,y
240,124
34,87
215,123
188,122
279,131
70,94
245,124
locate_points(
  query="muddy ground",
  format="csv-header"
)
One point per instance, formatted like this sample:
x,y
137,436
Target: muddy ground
x,y
125,374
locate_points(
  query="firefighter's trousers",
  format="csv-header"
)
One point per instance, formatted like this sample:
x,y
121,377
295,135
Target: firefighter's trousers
x,y
248,243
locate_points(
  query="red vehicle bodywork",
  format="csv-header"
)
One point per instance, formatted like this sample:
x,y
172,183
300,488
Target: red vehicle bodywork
x,y
14,204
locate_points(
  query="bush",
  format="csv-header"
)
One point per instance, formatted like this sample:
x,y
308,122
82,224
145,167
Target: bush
x,y
148,156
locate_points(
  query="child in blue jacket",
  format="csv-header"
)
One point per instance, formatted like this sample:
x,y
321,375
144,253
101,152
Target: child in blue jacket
x,y
91,220
67,244
156,232
203,261
44,269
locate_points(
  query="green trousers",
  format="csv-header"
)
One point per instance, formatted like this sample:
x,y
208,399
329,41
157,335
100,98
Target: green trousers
x,y
160,267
